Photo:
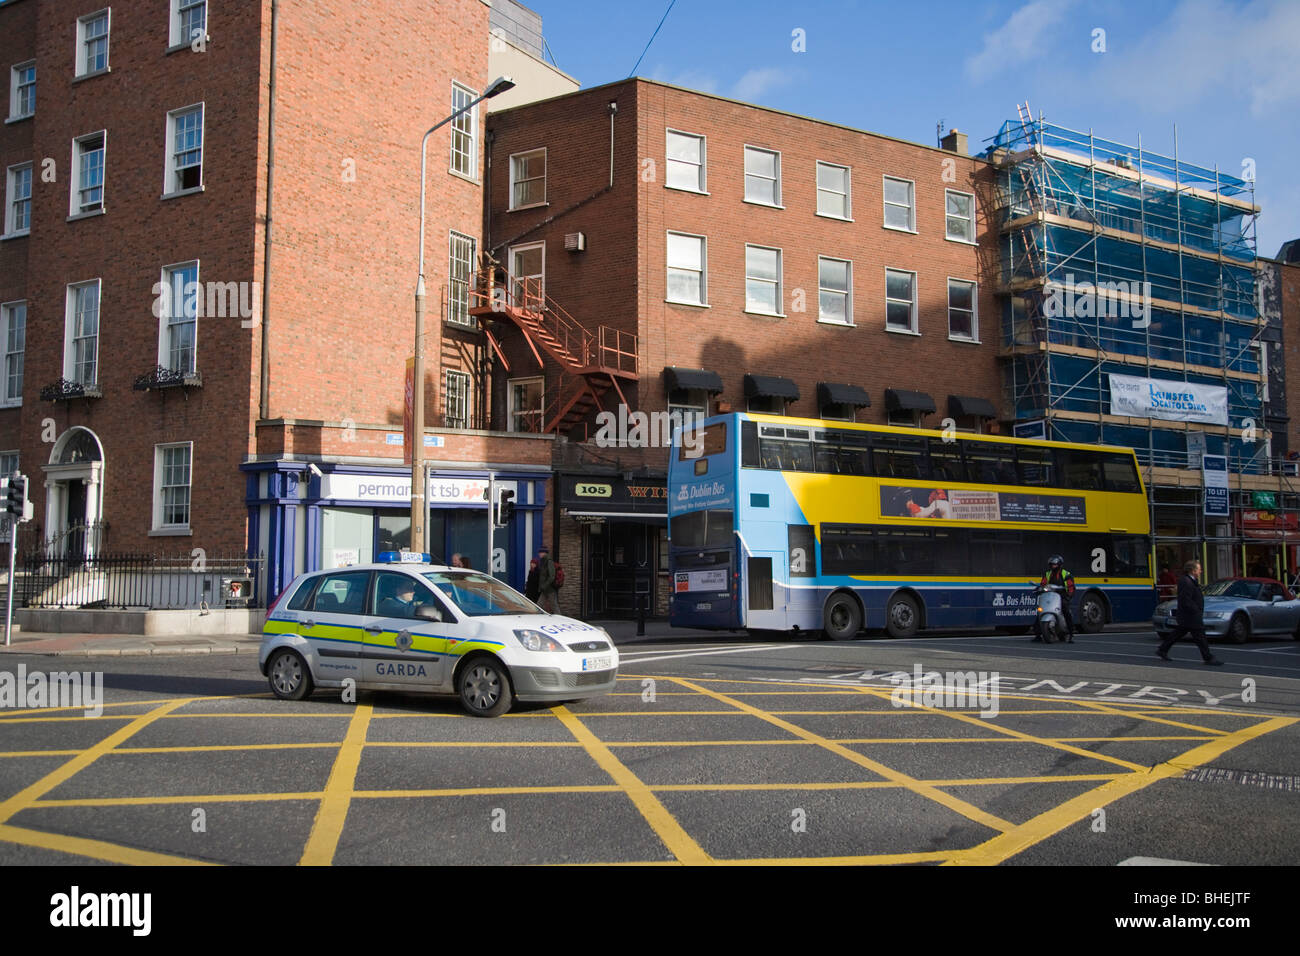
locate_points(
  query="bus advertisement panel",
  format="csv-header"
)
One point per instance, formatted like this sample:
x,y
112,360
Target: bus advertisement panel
x,y
793,524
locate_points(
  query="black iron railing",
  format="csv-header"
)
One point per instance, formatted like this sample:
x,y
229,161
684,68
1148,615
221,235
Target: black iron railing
x,y
79,577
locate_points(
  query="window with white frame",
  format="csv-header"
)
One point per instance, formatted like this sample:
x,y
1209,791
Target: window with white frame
x,y
22,90
900,301
461,249
455,391
528,179
180,318
13,333
687,406
763,280
464,132
81,358
528,276
833,191
525,412
171,482
762,176
963,322
687,269
189,21
685,156
92,43
900,205
184,169
88,174
834,290
18,200
959,216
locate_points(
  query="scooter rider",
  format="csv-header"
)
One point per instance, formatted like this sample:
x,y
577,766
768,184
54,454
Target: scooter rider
x,y
1056,574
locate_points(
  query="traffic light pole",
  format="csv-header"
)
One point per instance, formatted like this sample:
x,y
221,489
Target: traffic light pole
x,y
491,517
9,600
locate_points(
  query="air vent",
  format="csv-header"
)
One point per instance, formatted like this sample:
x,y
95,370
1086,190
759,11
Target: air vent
x,y
575,242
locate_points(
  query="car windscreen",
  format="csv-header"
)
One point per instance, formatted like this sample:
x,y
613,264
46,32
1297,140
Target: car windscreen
x,y
478,595
1234,588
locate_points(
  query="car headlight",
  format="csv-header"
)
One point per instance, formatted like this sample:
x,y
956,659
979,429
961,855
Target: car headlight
x,y
537,641
1216,615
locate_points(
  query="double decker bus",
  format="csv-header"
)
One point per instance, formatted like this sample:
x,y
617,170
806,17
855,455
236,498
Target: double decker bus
x,y
785,524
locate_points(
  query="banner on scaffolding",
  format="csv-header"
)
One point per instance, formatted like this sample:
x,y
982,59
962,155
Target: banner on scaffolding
x,y
1167,399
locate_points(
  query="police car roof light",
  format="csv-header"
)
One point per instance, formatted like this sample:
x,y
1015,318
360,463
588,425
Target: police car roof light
x,y
404,557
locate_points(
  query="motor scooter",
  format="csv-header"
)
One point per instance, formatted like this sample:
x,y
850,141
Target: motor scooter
x,y
1050,625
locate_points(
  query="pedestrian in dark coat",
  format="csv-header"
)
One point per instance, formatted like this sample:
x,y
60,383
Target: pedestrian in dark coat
x,y
1190,615
530,585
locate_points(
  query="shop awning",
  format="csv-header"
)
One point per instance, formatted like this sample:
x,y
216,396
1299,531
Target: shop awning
x,y
960,406
901,400
834,393
692,378
771,386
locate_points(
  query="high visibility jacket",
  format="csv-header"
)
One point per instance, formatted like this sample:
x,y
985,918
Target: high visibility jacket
x,y
1059,577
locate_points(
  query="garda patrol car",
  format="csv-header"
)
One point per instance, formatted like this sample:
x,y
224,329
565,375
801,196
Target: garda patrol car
x,y
407,624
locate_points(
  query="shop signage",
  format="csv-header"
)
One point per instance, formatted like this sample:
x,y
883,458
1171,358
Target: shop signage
x,y
1215,469
430,441
1267,524
1168,399
609,495
396,489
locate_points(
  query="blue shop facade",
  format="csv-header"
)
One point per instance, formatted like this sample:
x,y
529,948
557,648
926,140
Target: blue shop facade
x,y
307,517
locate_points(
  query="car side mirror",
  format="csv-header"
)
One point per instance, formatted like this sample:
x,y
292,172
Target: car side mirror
x,y
428,612
1278,597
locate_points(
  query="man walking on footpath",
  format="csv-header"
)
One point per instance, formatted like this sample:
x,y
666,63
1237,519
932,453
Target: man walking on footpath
x,y
545,580
1190,615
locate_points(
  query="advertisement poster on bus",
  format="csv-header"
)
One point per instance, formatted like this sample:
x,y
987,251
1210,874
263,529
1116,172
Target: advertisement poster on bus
x,y
969,505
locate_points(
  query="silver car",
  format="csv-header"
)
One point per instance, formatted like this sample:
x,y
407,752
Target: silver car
x,y
1239,609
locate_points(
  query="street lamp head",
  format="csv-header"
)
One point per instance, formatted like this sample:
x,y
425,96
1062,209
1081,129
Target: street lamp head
x,y
499,85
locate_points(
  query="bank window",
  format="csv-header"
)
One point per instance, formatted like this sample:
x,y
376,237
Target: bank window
x,y
526,405
687,269
172,486
686,166
92,43
962,319
900,301
528,179
959,216
762,176
762,280
833,191
900,204
455,392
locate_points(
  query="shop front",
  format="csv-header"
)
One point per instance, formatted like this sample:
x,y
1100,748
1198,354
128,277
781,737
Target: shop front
x,y
333,515
620,526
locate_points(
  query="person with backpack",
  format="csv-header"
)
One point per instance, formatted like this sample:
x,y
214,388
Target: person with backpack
x,y
546,580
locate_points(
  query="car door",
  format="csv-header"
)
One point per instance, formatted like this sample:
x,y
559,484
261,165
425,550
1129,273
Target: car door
x,y
332,622
401,648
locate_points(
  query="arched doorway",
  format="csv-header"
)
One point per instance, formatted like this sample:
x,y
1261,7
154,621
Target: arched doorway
x,y
74,494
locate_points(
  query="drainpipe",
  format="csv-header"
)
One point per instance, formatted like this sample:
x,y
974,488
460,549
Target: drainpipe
x,y
264,406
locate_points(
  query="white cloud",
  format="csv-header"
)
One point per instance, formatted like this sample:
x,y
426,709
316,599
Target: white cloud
x,y
1021,38
1208,47
700,80
755,83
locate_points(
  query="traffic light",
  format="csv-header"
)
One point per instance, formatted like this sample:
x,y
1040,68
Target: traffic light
x,y
503,508
16,501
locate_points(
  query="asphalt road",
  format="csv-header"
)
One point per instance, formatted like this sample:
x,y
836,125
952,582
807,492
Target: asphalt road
x,y
715,748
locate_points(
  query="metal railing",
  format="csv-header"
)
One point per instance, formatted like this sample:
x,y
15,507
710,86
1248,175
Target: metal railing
x,y
101,579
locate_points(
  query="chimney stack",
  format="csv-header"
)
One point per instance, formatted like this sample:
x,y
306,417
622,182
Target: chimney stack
x,y
955,142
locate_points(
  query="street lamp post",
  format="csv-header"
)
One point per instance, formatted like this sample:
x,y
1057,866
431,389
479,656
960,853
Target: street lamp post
x,y
418,505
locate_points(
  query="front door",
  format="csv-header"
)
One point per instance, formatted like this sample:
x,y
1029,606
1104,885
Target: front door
x,y
75,522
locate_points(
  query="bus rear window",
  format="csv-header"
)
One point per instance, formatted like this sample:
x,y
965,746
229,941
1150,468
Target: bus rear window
x,y
702,529
702,440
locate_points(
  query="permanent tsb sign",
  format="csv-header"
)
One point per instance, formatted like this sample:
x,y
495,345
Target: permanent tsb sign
x,y
1164,398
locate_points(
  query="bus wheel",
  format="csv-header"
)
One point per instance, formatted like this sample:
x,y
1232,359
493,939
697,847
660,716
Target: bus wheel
x,y
902,617
1092,614
842,618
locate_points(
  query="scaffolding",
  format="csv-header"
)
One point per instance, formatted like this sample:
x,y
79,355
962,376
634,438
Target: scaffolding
x,y
1115,259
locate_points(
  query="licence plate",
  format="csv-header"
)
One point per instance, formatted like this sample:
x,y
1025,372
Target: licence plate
x,y
704,606
603,663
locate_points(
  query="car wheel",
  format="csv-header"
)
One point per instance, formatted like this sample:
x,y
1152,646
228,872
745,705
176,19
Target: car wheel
x,y
842,617
902,617
289,676
1092,614
484,687
1239,629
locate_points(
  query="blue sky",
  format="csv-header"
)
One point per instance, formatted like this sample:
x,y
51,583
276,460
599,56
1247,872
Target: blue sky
x,y
1227,72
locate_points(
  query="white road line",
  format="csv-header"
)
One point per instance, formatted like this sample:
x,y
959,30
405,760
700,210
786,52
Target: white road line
x,y
734,650
697,647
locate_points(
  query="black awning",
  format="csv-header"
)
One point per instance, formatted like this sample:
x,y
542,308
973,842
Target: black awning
x,y
833,393
963,405
689,378
771,386
901,400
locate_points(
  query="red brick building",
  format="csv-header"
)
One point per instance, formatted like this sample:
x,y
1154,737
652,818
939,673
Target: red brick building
x,y
750,259
266,169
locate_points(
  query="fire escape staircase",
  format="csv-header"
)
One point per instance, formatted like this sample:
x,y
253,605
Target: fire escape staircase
x,y
592,363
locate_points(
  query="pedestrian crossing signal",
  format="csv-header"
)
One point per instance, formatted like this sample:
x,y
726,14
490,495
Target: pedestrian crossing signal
x,y
503,509
16,499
